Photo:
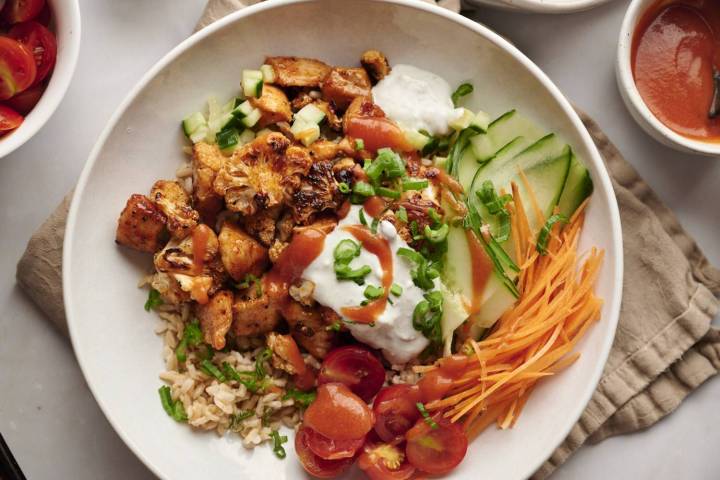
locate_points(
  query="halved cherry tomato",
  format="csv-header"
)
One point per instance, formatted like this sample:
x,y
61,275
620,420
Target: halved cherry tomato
x,y
355,367
378,132
395,409
9,119
45,16
25,101
383,461
17,68
17,11
41,42
338,413
314,465
436,449
330,449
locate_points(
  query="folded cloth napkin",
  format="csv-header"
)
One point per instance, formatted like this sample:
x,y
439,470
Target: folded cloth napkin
x,y
664,347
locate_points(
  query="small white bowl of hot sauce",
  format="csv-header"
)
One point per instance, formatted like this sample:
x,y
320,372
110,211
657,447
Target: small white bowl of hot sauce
x,y
668,71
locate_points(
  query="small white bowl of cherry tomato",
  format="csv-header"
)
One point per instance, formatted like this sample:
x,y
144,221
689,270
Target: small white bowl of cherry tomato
x,y
39,47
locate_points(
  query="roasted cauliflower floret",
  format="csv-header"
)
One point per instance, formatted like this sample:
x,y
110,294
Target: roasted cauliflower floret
x,y
206,163
169,288
286,354
298,72
141,224
274,105
276,249
318,193
308,328
178,256
216,317
172,199
326,150
255,316
376,64
343,85
258,174
241,254
262,225
303,292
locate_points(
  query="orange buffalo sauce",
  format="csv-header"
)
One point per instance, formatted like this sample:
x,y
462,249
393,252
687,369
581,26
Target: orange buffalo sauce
x,y
304,247
482,268
674,50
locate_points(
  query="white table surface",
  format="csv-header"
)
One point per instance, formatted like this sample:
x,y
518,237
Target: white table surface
x,y
47,414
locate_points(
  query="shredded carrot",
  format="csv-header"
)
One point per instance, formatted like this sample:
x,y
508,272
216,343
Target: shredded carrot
x,y
536,337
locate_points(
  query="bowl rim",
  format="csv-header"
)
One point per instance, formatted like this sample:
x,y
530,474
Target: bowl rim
x,y
60,80
543,6
603,178
631,95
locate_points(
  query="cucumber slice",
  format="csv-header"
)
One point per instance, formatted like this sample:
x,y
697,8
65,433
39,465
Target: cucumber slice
x,y
463,121
310,114
416,139
252,83
470,166
578,187
247,136
252,118
547,180
192,122
501,131
268,73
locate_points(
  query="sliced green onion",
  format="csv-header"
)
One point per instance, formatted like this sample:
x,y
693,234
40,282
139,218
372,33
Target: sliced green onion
x,y
344,187
304,399
346,250
396,289
344,272
363,220
423,411
192,336
153,301
363,189
402,215
387,164
278,441
461,91
434,216
544,235
387,192
374,225
373,292
208,367
414,184
437,235
248,280
458,149
359,144
174,409
262,357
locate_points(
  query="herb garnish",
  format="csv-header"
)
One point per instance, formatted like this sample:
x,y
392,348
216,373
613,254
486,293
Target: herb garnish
x,y
278,441
423,411
461,91
304,399
192,336
249,280
544,235
175,408
153,301
427,316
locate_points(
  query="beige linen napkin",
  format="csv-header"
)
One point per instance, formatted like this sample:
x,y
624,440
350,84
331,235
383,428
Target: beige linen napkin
x,y
664,347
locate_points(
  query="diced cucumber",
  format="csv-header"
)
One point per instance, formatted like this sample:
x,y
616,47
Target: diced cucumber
x,y
467,168
247,136
454,315
416,139
306,132
268,73
252,119
498,300
228,139
310,113
463,121
481,120
200,134
243,110
192,122
501,131
578,187
252,83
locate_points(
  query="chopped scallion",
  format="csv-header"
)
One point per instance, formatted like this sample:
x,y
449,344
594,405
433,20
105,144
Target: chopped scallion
x,y
278,441
344,187
402,215
396,289
153,301
414,184
544,235
363,189
423,411
461,91
359,144
387,192
373,292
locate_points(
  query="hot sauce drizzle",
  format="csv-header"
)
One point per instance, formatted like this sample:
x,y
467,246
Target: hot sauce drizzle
x,y
379,247
482,268
375,206
305,246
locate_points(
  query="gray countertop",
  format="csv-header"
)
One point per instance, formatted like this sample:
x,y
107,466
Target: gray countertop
x,y
47,414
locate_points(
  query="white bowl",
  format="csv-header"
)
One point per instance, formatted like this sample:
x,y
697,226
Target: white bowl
x,y
634,101
112,335
541,6
67,30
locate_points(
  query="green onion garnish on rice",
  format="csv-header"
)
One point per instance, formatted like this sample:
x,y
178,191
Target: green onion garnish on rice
x,y
208,367
174,408
192,336
304,399
154,300
278,440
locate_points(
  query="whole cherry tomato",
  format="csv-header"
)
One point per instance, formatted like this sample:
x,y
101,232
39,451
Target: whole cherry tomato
x,y
16,11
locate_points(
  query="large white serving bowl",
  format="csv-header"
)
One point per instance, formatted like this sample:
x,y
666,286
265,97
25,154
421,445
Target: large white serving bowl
x,y
540,6
66,14
112,334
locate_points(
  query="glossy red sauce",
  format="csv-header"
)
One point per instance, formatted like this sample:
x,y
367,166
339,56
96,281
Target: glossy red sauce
x,y
482,268
200,237
675,46
375,206
379,247
305,246
435,384
377,133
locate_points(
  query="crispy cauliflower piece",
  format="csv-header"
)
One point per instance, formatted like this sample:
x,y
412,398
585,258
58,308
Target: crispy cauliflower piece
x,y
178,255
286,354
318,193
307,326
274,105
343,85
262,225
141,224
206,163
255,316
376,64
172,199
303,292
169,289
216,317
326,150
298,72
276,249
240,253
258,175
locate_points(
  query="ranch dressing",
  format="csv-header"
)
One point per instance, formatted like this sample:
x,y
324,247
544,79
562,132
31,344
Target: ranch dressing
x,y
416,99
393,332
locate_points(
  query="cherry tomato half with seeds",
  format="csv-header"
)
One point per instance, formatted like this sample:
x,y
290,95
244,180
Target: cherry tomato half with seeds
x,y
9,119
436,447
17,68
41,43
25,101
338,413
330,449
355,367
315,465
16,11
383,461
395,409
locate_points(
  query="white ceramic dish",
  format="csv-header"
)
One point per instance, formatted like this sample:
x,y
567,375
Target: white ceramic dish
x,y
67,22
112,335
631,95
540,6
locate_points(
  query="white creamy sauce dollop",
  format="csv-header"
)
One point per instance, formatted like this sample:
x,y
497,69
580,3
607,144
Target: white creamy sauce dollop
x,y
393,332
416,99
